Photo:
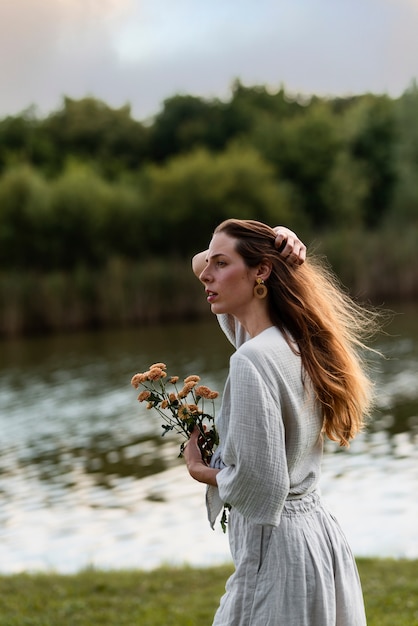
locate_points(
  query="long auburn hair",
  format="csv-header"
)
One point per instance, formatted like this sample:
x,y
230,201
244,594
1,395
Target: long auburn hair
x,y
310,307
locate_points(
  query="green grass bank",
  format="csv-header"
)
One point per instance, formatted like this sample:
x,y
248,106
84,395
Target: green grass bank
x,y
177,596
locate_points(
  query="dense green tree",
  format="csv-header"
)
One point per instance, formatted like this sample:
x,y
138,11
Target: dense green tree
x,y
94,203
185,123
78,219
24,219
248,103
370,134
344,193
91,130
18,138
189,196
93,219
404,208
303,149
89,182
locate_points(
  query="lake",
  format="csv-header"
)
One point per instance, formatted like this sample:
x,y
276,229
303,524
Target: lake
x,y
86,480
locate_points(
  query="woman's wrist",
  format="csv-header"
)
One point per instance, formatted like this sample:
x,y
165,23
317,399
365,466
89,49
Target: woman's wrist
x,y
199,262
203,473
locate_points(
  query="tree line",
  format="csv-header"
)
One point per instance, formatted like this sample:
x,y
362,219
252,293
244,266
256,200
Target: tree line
x,y
89,188
88,182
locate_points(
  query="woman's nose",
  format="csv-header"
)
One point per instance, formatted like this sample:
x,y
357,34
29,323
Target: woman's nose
x,y
204,275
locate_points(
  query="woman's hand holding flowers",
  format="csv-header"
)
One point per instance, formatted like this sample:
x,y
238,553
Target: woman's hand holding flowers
x,y
196,466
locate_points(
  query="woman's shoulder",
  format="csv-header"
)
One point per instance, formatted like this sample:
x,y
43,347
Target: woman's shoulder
x,y
270,358
270,345
271,336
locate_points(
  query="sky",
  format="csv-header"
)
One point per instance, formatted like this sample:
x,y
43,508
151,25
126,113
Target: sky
x,y
144,51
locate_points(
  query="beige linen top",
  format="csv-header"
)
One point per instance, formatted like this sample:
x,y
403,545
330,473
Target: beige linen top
x,y
270,428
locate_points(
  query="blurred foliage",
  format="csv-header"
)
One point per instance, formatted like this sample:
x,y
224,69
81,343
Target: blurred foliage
x,y
405,201
192,193
89,183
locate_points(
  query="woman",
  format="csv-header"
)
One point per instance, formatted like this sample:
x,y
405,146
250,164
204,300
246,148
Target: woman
x,y
295,377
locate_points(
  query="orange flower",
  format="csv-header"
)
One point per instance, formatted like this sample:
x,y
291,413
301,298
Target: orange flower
x,y
192,379
144,395
156,373
173,380
205,392
137,380
186,389
193,408
164,404
161,366
184,412
172,397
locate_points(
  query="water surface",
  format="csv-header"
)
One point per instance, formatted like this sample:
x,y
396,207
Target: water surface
x,y
87,479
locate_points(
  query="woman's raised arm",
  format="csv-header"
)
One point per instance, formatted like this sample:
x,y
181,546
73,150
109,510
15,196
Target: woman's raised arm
x,y
287,242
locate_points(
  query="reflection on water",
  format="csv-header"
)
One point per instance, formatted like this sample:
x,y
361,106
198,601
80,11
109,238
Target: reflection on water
x,y
86,478
68,399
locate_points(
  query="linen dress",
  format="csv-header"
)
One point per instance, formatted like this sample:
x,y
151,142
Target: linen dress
x,y
293,566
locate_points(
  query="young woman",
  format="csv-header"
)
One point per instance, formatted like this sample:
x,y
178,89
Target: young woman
x,y
296,376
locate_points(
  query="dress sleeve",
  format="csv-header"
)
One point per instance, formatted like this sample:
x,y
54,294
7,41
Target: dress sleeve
x,y
256,479
235,333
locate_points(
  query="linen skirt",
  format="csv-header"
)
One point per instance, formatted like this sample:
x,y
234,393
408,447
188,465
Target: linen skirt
x,y
300,573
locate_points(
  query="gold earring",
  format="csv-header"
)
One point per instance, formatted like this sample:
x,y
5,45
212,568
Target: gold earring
x,y
260,290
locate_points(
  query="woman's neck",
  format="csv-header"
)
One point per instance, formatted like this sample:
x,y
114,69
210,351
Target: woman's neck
x,y
255,323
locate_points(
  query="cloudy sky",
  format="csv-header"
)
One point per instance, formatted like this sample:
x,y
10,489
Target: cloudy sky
x,y
143,51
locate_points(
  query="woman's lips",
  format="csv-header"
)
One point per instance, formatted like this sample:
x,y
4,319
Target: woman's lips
x,y
210,295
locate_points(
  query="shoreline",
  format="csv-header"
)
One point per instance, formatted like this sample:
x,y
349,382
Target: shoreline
x,y
161,520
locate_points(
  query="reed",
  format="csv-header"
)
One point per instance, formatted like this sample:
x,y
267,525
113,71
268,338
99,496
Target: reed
x,y
120,294
373,266
381,266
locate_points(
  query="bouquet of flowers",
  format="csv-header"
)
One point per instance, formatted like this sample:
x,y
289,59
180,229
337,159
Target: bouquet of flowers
x,y
181,406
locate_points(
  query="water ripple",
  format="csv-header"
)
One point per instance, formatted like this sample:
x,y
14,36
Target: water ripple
x,y
87,479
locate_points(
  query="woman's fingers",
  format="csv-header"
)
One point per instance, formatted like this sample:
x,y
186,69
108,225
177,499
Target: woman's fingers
x,y
290,246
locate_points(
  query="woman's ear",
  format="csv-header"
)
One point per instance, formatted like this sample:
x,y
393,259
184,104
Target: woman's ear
x,y
264,270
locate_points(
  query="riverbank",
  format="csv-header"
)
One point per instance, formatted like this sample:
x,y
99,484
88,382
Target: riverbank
x,y
177,596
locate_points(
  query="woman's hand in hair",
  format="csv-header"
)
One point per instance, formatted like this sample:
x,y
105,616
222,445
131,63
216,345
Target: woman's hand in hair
x,y
289,245
287,242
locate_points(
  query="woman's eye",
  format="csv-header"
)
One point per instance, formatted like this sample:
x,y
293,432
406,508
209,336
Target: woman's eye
x,y
220,263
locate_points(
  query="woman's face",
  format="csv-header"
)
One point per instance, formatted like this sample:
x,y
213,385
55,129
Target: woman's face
x,y
229,283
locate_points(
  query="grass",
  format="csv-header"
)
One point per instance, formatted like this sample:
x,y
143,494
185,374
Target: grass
x,y
177,596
